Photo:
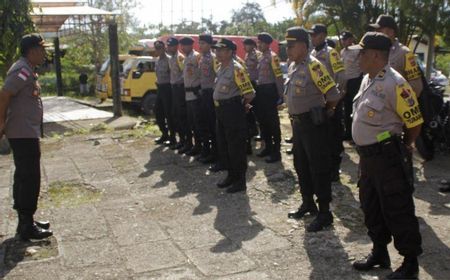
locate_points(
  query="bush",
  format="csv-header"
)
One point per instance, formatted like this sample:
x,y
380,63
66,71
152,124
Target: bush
x,y
70,83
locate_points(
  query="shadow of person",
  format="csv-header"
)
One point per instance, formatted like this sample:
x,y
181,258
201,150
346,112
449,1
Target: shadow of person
x,y
235,221
327,256
435,259
17,251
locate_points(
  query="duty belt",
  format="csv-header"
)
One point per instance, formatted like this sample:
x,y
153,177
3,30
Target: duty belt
x,y
299,117
374,149
222,102
194,89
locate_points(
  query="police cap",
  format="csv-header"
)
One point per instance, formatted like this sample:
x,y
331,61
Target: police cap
x,y
265,37
249,41
374,41
206,38
187,41
172,41
31,41
297,34
318,28
346,35
234,47
223,43
385,21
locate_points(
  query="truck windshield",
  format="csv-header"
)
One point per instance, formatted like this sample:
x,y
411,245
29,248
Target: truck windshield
x,y
127,66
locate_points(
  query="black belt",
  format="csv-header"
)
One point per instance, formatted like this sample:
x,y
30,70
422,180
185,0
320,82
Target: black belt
x,y
299,117
222,102
374,149
192,89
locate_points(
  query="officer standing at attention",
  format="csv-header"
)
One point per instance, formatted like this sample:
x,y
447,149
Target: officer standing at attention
x,y
252,56
232,94
179,113
269,94
21,116
311,97
163,105
400,57
332,61
191,74
208,68
353,76
385,106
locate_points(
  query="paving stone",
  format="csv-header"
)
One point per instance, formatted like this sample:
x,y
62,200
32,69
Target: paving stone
x,y
96,273
89,253
247,276
177,273
152,256
33,271
230,260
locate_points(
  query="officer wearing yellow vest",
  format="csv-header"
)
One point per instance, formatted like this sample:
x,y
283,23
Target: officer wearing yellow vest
x,y
232,94
269,94
176,65
400,56
311,96
384,107
332,61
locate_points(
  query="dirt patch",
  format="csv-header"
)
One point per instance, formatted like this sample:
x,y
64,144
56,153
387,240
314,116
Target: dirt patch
x,y
67,194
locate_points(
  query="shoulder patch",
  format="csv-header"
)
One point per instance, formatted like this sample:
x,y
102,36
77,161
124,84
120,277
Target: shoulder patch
x,y
412,70
336,63
407,106
321,77
242,80
23,74
276,68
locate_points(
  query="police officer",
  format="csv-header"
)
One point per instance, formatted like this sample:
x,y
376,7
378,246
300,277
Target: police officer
x,y
269,94
311,98
385,106
191,74
232,94
179,113
332,61
208,67
21,116
400,57
353,76
163,105
252,56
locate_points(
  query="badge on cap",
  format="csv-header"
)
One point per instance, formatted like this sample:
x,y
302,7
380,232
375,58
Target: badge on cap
x,y
370,114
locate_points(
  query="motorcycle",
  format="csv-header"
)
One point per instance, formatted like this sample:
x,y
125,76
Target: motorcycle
x,y
435,133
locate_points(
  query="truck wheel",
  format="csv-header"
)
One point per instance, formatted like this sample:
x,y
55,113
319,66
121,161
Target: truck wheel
x,y
148,102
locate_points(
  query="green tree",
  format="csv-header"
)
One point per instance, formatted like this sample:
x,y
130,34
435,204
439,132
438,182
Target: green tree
x,y
247,20
15,22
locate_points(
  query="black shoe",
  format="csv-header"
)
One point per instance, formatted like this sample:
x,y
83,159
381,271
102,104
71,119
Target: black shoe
x,y
238,186
408,270
273,158
289,151
27,229
304,209
216,167
194,151
265,152
445,189
258,138
208,159
288,140
161,140
42,224
322,220
378,257
228,181
178,146
185,149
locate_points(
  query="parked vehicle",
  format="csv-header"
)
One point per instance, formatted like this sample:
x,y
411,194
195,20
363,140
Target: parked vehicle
x,y
103,87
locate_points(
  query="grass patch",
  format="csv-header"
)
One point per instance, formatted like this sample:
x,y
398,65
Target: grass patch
x,y
63,194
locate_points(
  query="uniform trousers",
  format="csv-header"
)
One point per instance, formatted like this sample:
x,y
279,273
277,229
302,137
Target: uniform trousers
x,y
387,202
267,115
163,110
193,115
208,120
27,175
179,111
336,136
312,158
231,129
351,91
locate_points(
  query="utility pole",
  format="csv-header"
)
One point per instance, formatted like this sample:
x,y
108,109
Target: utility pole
x,y
114,59
57,58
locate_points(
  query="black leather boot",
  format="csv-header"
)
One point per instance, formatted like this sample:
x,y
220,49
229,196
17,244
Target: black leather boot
x,y
239,185
378,257
322,220
308,206
408,270
27,229
162,139
195,150
225,183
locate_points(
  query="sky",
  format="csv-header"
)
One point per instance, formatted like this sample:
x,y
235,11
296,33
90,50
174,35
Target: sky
x,y
151,12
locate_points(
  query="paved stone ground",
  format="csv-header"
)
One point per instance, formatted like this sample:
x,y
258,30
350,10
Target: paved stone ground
x,y
122,208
